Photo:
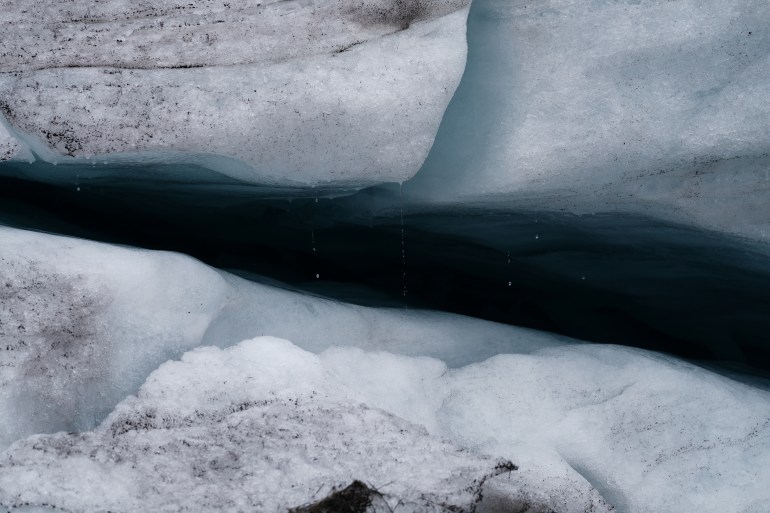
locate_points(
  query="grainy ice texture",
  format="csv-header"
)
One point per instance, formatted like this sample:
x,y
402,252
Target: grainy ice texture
x,y
280,92
648,106
258,427
649,432
591,427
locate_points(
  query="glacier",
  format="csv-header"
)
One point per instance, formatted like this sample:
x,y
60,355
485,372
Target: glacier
x,y
590,427
236,241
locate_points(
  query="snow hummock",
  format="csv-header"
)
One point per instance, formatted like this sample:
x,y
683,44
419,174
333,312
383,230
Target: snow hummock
x,y
289,93
591,427
262,426
82,324
265,425
646,107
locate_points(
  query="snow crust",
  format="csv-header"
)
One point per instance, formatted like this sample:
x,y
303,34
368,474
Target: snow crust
x,y
82,325
265,425
648,107
262,426
279,93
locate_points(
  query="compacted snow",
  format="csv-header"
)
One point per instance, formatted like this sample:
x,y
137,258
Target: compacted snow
x,y
295,92
652,107
591,427
262,426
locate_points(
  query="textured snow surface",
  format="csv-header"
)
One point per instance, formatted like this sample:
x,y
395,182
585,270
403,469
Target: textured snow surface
x,y
279,92
83,324
648,106
649,432
259,427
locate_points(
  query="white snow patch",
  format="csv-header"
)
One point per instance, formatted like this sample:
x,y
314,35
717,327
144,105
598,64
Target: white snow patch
x,y
262,426
82,325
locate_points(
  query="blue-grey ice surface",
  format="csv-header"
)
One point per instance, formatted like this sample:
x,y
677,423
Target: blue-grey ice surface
x,y
109,401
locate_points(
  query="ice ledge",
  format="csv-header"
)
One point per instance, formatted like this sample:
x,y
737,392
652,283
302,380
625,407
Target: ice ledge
x,y
298,94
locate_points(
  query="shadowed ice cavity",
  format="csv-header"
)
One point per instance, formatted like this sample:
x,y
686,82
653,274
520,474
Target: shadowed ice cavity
x,y
606,278
617,278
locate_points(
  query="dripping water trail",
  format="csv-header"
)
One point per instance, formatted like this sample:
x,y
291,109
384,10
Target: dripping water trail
x,y
314,247
403,244
510,281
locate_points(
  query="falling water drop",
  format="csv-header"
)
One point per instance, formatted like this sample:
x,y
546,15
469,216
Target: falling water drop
x,y
403,244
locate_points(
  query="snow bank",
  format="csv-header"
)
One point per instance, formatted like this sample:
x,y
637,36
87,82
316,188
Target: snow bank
x,y
267,425
648,432
649,107
281,92
259,427
83,324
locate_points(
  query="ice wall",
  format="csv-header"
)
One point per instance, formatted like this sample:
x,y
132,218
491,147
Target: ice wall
x,y
649,106
280,93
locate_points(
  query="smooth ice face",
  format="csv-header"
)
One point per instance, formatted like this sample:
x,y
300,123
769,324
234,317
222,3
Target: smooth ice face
x,y
650,107
280,93
262,426
83,324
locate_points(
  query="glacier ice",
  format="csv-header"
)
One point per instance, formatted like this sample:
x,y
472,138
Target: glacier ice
x,y
269,92
82,324
591,426
649,107
262,426
644,107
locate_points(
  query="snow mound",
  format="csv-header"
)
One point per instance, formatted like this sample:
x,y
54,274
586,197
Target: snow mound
x,y
258,427
271,92
648,432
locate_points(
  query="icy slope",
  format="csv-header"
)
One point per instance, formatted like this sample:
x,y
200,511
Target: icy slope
x,y
83,324
279,92
651,107
265,424
259,427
